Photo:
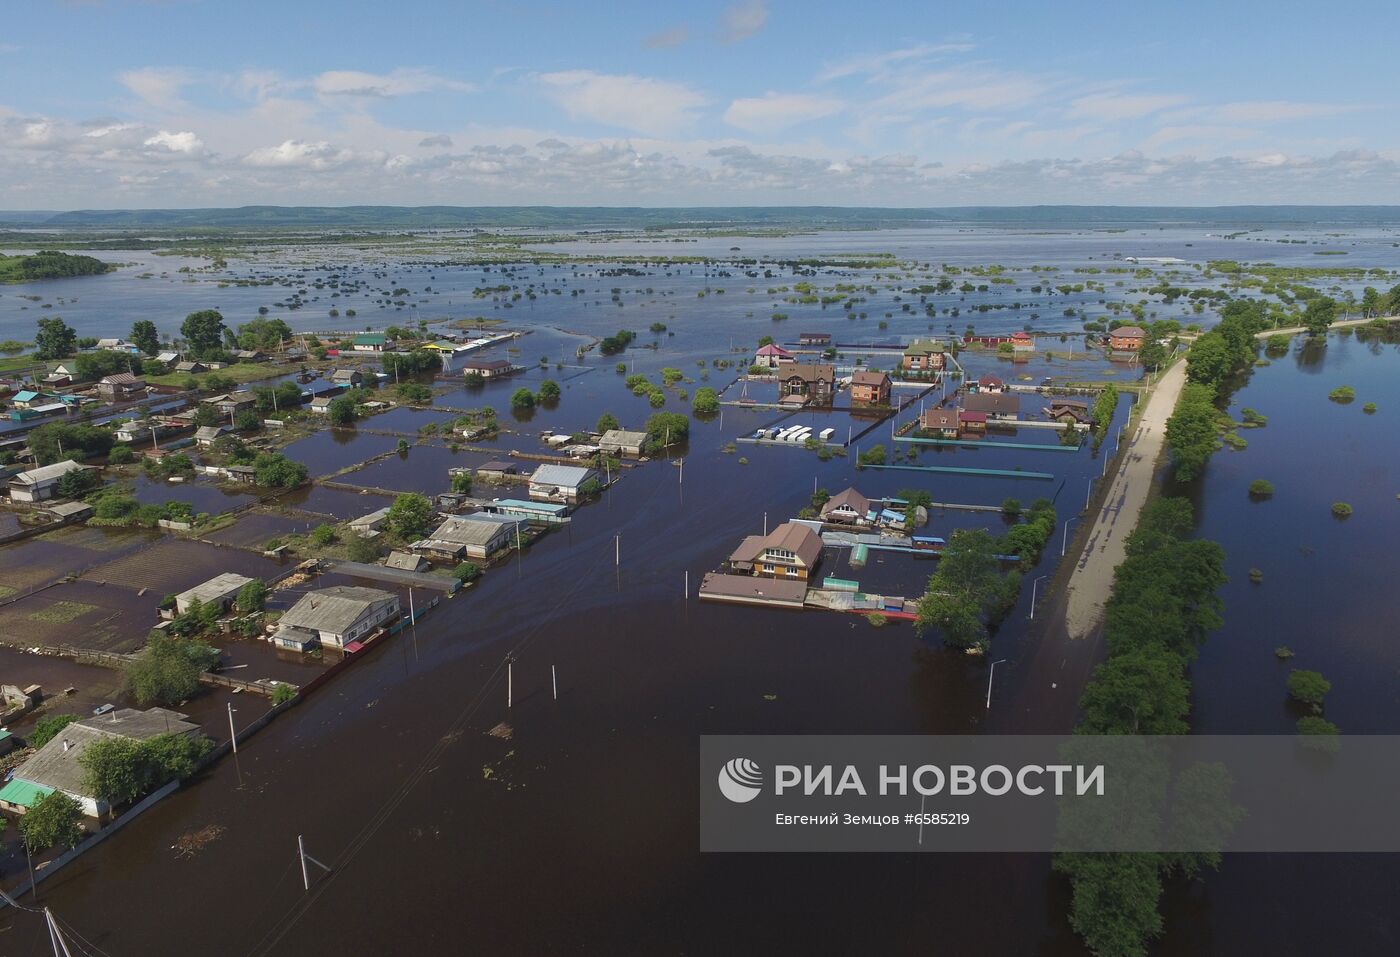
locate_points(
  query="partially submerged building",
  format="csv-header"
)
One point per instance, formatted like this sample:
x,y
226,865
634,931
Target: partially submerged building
x,y
870,387
57,765
221,590
997,406
478,535
560,483
40,484
923,356
940,423
815,383
848,507
335,617
791,550
622,442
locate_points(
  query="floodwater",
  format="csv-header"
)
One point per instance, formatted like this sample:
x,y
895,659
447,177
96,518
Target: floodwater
x,y
575,828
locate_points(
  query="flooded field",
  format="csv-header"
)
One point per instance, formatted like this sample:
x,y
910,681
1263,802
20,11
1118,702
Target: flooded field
x,y
588,802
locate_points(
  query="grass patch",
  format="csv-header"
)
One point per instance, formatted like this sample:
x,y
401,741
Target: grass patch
x,y
62,612
239,372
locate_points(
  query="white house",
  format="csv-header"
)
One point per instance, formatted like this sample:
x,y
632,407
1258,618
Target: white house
x,y
335,617
559,483
478,535
39,484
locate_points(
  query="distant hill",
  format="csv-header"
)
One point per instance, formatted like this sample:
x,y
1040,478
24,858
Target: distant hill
x,y
618,217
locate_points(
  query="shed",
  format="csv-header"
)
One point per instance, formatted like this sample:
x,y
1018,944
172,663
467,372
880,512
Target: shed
x,y
622,442
406,561
559,483
220,590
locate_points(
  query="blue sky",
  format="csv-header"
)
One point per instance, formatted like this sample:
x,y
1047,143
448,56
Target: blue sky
x,y
123,103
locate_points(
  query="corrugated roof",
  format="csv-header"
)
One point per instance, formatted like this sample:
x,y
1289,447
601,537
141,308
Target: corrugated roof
x,y
57,768
333,610
789,537
940,419
23,793
623,437
1128,332
48,472
474,529
564,476
216,588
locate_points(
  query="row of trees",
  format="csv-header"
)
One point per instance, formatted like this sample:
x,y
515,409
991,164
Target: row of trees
x,y
1214,359
1163,603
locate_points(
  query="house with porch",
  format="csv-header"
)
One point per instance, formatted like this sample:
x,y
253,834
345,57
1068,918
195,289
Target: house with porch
x,y
560,483
848,507
990,383
335,617
813,382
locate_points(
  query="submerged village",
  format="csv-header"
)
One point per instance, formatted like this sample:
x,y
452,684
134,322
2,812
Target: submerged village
x,y
186,577
278,588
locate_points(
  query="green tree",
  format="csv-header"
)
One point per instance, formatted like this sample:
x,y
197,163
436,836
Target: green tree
x,y
1192,434
706,401
1144,691
203,332
145,337
967,588
462,482
1319,315
264,334
253,596
1309,687
410,516
55,339
120,770
1114,906
76,484
607,422
341,411
48,727
53,821
549,391
167,671
522,398
664,429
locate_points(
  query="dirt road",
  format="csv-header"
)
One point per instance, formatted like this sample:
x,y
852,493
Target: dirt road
x,y
1092,578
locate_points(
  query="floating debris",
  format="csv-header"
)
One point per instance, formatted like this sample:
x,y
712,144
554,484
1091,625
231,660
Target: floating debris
x,y
503,731
193,842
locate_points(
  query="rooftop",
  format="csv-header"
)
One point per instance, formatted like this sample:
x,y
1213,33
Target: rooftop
x,y
1128,332
57,767
989,402
789,537
923,347
869,377
623,437
849,498
216,588
48,472
564,476
474,529
334,609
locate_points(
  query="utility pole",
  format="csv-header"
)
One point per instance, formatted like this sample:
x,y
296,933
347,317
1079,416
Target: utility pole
x,y
305,876
991,675
232,734
510,682
554,682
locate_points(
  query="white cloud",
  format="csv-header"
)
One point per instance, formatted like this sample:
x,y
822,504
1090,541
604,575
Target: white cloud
x,y
1111,107
1267,111
402,82
774,111
743,20
666,39
298,153
1201,133
440,139
880,63
635,103
184,142
158,86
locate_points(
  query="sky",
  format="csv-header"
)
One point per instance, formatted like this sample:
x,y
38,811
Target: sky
x,y
196,103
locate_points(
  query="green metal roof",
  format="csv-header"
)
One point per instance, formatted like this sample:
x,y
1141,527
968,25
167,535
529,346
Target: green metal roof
x,y
923,347
370,339
23,793
4,734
